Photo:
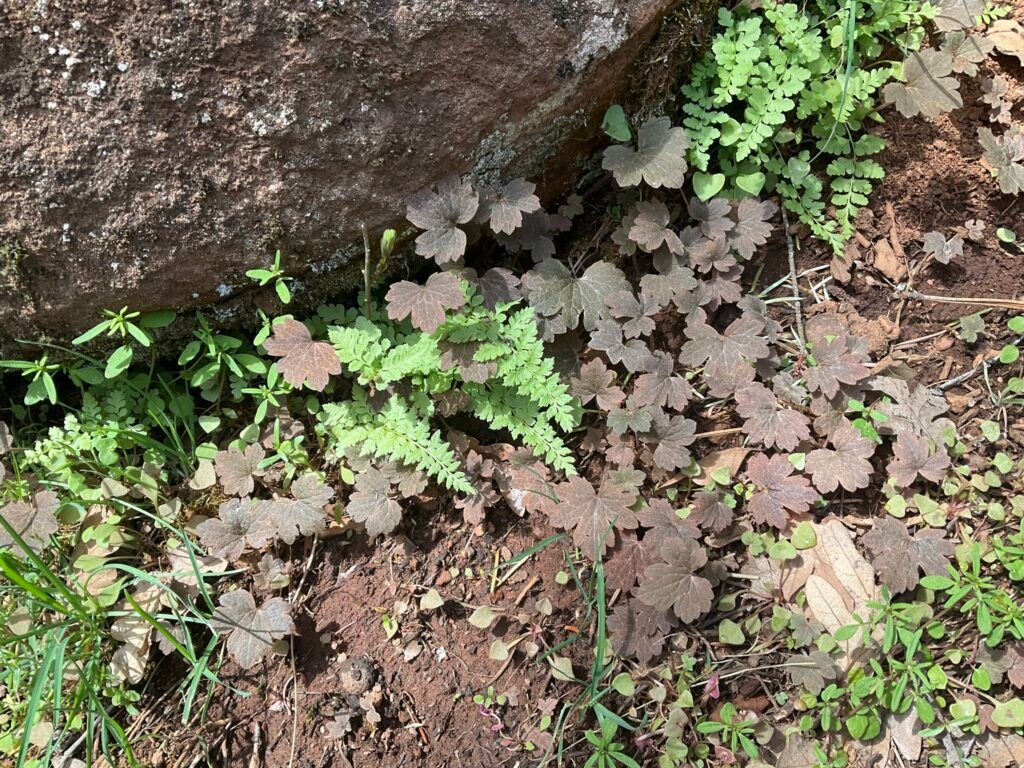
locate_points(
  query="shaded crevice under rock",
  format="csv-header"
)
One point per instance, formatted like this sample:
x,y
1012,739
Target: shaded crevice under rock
x,y
150,154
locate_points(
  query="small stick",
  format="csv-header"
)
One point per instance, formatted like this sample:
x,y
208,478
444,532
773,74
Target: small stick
x,y
529,585
719,432
366,270
254,759
793,281
1013,304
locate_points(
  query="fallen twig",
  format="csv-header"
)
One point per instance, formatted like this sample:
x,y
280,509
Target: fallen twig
x,y
793,281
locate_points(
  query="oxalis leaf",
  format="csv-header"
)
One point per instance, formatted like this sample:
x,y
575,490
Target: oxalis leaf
x,y
251,630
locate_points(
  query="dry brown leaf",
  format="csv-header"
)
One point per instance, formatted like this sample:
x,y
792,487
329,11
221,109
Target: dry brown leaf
x,y
732,458
1003,751
904,730
828,608
795,574
1008,37
851,569
888,263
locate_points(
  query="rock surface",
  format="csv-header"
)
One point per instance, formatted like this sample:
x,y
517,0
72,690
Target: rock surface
x,y
152,151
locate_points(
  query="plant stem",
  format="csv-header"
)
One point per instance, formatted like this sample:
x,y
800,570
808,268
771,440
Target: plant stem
x,y
793,281
366,270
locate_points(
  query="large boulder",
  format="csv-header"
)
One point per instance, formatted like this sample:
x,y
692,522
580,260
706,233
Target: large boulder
x,y
152,151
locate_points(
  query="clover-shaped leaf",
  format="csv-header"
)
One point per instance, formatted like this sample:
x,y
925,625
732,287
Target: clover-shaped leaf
x,y
303,361
251,631
913,457
554,290
593,515
926,88
674,583
778,490
34,520
425,304
512,201
372,505
897,556
236,469
766,423
595,382
845,464
440,213
659,159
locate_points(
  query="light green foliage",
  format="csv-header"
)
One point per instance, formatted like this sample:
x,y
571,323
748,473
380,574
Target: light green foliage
x,y
784,86
503,378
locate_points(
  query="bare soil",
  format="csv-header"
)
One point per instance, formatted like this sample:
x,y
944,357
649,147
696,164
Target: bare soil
x,y
935,181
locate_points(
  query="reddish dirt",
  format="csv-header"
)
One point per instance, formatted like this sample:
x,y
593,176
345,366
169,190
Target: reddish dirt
x,y
427,714
935,180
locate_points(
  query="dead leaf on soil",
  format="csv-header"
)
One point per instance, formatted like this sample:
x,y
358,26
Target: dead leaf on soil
x,y
1008,37
841,584
1002,751
887,262
828,607
732,458
905,734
